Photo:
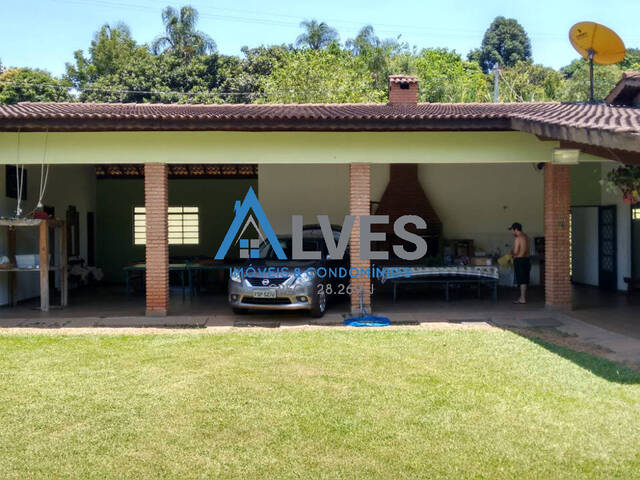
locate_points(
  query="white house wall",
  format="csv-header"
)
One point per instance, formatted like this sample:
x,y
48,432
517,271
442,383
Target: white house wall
x,y
584,239
479,202
473,201
275,147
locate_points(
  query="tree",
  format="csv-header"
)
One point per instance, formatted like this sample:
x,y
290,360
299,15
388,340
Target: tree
x,y
380,55
631,60
181,37
445,77
29,85
198,81
505,42
320,76
110,48
529,83
116,69
317,35
576,84
248,76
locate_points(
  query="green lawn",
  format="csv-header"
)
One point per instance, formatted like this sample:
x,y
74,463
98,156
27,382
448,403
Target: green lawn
x,y
308,404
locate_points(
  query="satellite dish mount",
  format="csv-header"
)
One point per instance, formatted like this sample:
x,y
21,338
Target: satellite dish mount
x,y
590,55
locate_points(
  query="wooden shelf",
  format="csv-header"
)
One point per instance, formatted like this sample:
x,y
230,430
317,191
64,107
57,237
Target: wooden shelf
x,y
32,269
44,226
30,222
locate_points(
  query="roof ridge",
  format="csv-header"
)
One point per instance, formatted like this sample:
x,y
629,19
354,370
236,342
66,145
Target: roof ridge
x,y
267,105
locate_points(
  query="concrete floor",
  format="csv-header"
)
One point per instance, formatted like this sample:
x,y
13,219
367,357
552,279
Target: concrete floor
x,y
609,320
614,311
111,301
109,305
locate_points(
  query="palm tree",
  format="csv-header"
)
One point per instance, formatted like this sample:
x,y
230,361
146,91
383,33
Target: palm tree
x,y
377,53
181,37
317,35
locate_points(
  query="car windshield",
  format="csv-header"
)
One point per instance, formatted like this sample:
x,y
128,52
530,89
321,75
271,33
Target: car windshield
x,y
308,244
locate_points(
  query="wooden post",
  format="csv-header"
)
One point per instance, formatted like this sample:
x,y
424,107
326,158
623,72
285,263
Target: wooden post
x,y
13,284
44,266
64,290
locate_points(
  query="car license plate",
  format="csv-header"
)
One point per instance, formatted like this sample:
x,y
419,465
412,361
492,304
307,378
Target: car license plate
x,y
265,293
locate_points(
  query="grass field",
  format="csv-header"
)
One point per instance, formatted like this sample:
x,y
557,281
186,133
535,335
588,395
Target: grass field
x,y
313,404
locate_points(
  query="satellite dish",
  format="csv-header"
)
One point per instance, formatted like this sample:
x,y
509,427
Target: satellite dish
x,y
598,44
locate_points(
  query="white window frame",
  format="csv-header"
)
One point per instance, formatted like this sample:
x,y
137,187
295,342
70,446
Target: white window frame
x,y
184,225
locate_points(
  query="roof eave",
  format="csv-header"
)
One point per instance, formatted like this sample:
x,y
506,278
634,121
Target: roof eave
x,y
630,82
257,125
591,136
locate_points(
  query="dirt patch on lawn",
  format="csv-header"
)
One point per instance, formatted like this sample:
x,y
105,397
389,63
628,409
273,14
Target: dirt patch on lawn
x,y
561,339
556,337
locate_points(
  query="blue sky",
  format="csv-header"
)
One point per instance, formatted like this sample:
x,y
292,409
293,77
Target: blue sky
x,y
45,33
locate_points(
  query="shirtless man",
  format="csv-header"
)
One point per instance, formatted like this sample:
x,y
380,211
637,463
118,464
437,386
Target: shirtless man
x,y
521,262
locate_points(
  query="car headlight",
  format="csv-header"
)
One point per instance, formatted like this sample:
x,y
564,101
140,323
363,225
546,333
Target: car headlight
x,y
304,279
235,276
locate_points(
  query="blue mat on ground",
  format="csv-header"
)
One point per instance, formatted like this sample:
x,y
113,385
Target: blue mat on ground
x,y
367,321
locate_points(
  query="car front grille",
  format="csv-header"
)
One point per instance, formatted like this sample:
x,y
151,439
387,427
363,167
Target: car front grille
x,y
257,282
266,301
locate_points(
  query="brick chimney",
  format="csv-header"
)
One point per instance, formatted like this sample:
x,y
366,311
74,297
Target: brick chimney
x,y
404,195
403,90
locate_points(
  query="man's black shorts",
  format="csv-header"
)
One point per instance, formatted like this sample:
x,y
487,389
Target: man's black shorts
x,y
522,268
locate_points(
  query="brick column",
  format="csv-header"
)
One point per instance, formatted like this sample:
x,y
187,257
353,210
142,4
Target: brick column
x,y
156,200
359,204
557,204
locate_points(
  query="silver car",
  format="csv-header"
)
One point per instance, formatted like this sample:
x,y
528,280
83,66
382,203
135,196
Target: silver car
x,y
267,283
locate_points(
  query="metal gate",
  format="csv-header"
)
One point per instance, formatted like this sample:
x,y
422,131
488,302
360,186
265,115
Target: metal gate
x,y
607,248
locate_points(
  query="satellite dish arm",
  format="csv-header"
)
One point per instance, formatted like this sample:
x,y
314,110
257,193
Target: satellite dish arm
x,y
591,53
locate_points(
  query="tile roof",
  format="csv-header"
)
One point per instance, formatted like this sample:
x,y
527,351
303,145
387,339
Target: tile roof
x,y
605,125
312,111
403,79
626,91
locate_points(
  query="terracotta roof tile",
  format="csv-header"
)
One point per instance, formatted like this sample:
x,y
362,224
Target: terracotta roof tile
x,y
542,118
403,79
343,111
599,116
626,91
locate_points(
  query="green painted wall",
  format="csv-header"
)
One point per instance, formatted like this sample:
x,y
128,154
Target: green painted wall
x,y
116,198
585,184
275,147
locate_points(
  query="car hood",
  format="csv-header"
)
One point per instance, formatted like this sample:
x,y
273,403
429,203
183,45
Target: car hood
x,y
273,268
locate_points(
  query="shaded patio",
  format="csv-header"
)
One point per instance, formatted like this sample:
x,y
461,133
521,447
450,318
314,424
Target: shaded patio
x,y
108,306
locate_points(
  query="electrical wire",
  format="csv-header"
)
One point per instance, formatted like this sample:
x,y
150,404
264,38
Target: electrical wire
x,y
19,178
43,177
174,92
214,94
280,19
